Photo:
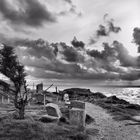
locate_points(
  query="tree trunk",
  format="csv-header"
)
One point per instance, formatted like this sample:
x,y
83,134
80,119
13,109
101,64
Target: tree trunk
x,y
20,106
21,112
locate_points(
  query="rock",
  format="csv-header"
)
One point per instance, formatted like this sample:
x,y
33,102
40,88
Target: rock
x,y
133,106
63,120
89,119
115,100
98,95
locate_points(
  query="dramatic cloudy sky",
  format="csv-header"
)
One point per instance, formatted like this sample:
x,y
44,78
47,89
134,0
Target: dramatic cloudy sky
x,y
103,52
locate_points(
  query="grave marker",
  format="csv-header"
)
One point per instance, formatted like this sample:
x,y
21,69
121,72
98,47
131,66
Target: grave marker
x,y
77,113
53,110
77,117
77,104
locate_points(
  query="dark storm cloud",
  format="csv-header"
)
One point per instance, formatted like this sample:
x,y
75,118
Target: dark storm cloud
x,y
70,54
95,54
30,12
123,55
59,60
53,69
136,37
114,52
104,30
77,44
38,48
131,76
60,70
113,28
106,53
39,54
54,66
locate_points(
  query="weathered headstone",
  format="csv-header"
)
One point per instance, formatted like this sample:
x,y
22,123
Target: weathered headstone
x,y
77,113
77,117
53,110
77,104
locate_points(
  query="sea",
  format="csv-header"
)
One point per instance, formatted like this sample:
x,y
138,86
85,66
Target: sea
x,y
130,94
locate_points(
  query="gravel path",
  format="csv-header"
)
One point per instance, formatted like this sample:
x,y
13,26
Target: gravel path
x,y
110,129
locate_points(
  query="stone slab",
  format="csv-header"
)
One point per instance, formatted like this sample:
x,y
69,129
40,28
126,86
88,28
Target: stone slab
x,y
53,110
77,117
77,104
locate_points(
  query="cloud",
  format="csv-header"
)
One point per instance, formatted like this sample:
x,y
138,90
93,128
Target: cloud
x,y
68,1
62,61
32,13
130,76
113,28
123,55
136,37
40,48
77,44
37,48
72,55
104,30
72,9
115,58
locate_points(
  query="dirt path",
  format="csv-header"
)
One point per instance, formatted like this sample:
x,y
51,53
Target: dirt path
x,y
110,129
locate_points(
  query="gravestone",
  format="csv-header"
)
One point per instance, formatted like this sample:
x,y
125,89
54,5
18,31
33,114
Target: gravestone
x,y
77,117
53,110
77,113
77,104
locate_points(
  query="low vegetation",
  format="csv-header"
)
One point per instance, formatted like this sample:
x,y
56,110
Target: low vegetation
x,y
34,129
118,108
29,129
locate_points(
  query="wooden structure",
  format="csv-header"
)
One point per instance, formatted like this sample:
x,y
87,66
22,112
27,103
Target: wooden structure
x,y
4,92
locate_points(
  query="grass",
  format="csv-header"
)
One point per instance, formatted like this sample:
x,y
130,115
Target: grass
x,y
118,108
29,129
119,111
33,129
21,130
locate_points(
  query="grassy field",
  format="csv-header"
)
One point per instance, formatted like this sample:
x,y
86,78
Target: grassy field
x,y
32,129
118,108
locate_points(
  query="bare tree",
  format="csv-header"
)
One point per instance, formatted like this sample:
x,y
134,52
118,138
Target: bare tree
x,y
10,67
